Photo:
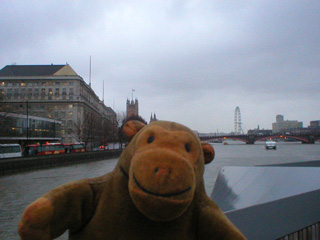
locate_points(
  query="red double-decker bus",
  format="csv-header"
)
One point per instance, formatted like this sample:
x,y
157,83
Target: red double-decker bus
x,y
53,148
44,149
75,147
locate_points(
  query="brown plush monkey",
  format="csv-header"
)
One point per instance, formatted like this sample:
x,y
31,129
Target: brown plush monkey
x,y
156,191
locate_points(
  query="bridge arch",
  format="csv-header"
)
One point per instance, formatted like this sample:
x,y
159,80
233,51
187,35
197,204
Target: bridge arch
x,y
251,139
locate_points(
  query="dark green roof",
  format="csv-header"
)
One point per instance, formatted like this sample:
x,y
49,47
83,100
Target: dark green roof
x,y
29,70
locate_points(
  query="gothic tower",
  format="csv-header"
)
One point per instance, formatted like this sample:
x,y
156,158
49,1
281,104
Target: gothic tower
x,y
132,108
153,118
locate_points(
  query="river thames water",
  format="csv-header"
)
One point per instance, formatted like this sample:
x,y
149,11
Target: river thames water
x,y
19,190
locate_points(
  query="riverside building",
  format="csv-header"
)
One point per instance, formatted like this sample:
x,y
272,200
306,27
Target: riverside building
x,y
283,126
57,92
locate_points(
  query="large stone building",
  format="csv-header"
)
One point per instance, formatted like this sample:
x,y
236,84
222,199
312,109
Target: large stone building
x,y
282,126
57,92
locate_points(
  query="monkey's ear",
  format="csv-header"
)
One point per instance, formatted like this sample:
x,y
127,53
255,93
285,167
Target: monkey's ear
x,y
208,152
131,128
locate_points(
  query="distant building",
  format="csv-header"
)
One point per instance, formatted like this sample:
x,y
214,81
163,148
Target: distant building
x,y
153,118
282,126
279,118
132,108
315,124
258,131
56,92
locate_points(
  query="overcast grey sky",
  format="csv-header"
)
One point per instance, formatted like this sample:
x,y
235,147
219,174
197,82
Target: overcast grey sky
x,y
191,62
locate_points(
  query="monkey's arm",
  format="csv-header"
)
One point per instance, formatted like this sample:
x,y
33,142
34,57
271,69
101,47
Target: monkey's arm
x,y
69,206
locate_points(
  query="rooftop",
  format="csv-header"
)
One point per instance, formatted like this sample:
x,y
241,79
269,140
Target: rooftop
x,y
36,70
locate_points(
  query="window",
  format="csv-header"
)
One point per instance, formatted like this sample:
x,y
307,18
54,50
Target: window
x,y
43,93
36,84
23,84
64,83
57,93
9,84
43,83
16,93
1,95
29,92
29,84
70,114
36,93
64,91
69,123
57,83
2,84
70,83
15,84
50,83
50,94
9,92
71,91
23,92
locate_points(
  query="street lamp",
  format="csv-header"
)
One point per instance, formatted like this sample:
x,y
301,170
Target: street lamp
x,y
54,129
27,120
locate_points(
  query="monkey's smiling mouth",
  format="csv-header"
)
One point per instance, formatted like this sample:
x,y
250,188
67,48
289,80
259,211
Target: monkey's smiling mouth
x,y
166,195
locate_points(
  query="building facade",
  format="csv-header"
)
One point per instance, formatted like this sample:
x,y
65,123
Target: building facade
x,y
57,92
283,126
315,124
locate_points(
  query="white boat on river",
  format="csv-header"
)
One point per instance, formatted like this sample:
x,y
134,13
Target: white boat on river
x,y
271,145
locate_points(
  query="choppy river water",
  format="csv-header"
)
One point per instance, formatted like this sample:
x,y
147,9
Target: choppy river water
x,y
18,190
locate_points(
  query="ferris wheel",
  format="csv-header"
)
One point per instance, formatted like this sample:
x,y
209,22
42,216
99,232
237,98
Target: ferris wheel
x,y
237,121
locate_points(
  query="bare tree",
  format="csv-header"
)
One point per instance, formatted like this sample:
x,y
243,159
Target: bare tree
x,y
93,129
6,123
120,117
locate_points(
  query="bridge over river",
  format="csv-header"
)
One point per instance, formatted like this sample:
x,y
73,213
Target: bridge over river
x,y
251,139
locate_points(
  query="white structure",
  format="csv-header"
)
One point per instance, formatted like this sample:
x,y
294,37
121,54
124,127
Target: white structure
x,y
237,121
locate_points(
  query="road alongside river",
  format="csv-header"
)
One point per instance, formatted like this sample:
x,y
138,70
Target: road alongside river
x,y
18,190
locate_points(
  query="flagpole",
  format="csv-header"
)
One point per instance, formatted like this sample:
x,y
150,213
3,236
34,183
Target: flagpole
x,y
132,93
90,73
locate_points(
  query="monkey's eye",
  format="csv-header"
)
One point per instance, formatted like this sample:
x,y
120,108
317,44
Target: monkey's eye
x,y
150,139
187,147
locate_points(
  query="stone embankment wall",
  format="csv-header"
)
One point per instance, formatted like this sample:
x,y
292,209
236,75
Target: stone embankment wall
x,y
15,165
